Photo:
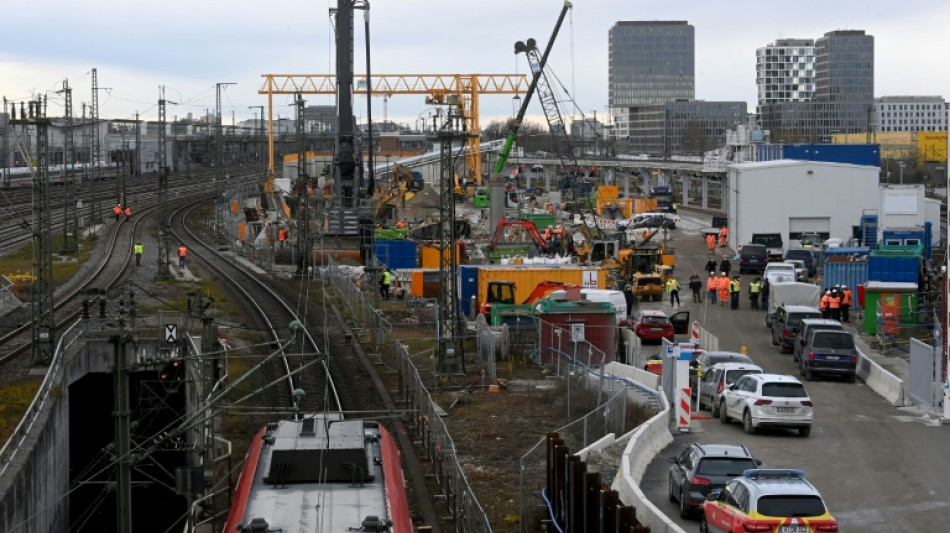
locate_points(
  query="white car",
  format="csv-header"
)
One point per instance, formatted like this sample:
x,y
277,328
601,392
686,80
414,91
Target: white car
x,y
779,272
767,400
801,271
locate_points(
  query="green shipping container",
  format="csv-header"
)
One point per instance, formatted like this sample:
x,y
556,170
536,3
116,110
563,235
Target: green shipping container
x,y
889,305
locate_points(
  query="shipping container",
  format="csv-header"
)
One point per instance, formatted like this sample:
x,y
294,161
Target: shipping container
x,y
430,255
908,238
569,329
851,274
527,277
889,306
396,253
893,266
418,282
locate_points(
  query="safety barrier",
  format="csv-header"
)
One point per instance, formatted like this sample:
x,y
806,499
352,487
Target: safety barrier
x,y
646,442
708,341
885,384
639,376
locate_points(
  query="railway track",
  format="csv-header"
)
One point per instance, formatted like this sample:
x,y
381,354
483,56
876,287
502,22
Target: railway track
x,y
141,191
301,365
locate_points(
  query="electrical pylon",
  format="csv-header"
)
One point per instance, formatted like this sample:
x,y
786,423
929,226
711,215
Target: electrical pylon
x,y
163,272
70,224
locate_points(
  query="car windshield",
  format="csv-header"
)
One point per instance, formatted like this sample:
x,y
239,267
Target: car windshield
x,y
795,319
728,358
784,390
724,466
798,254
782,506
833,341
656,320
733,375
782,267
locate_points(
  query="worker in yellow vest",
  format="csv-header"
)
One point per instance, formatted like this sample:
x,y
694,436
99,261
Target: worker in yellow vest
x,y
673,287
735,287
139,248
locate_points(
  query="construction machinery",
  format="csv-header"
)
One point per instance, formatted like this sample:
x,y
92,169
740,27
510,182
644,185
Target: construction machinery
x,y
523,228
411,178
643,268
503,292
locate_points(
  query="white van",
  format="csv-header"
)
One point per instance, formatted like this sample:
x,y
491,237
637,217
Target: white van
x,y
616,299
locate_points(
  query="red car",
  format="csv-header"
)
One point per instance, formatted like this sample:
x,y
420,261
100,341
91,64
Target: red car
x,y
651,325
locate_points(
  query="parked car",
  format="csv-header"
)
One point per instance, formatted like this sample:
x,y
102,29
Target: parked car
x,y
805,254
773,243
702,468
785,324
717,378
706,360
767,400
753,258
807,326
801,271
769,500
779,272
651,325
829,352
654,222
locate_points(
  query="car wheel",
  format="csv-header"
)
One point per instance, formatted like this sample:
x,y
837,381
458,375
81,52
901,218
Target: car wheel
x,y
723,417
672,493
804,431
703,526
715,409
685,511
747,423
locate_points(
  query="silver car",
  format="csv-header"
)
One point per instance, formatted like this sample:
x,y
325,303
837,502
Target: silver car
x,y
717,379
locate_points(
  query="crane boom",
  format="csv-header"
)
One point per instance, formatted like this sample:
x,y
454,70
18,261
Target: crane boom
x,y
536,74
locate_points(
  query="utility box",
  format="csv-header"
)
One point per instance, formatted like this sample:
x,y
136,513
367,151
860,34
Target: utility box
x,y
582,329
889,306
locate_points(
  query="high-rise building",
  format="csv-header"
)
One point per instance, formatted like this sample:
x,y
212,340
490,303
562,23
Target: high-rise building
x,y
842,86
910,113
785,71
683,127
650,62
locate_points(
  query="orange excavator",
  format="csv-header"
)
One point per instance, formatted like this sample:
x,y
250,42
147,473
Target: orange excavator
x,y
527,226
503,292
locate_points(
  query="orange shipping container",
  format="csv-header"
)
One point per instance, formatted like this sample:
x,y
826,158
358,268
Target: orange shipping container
x,y
430,256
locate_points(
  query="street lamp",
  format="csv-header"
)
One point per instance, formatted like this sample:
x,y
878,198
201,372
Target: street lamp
x,y
901,165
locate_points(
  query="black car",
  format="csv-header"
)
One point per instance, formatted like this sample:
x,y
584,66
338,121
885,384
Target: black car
x,y
753,258
829,352
785,324
655,222
702,468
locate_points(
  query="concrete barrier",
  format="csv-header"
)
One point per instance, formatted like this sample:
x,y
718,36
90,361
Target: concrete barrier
x,y
646,442
885,384
600,444
648,379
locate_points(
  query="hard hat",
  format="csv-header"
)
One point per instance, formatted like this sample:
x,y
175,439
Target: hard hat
x,y
712,273
828,291
722,273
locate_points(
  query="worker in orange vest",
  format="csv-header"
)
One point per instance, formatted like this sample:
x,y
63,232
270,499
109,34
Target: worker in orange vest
x,y
128,213
825,304
711,242
834,304
723,236
182,252
712,285
117,210
723,286
282,235
548,233
845,304
401,224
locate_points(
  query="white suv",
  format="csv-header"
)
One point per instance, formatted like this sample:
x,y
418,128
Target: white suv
x,y
767,400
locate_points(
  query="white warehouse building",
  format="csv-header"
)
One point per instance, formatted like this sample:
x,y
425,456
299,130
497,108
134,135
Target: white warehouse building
x,y
792,197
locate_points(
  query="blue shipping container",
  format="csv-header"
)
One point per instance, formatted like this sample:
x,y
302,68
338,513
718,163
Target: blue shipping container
x,y
847,273
893,268
852,154
397,253
468,287
858,251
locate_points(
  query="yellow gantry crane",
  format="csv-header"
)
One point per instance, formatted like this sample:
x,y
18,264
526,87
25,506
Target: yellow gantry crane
x,y
461,90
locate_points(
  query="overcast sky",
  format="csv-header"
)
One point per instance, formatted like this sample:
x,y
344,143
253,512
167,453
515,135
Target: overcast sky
x,y
188,46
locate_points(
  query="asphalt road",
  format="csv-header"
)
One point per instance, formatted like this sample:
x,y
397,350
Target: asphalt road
x,y
878,467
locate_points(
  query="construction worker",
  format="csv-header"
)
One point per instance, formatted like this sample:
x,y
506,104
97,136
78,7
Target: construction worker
x,y
182,252
765,294
548,233
630,298
711,242
725,266
825,304
712,285
139,248
282,235
118,211
834,305
128,213
755,288
735,287
845,304
696,285
401,224
384,282
723,237
710,265
673,287
723,285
